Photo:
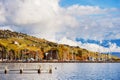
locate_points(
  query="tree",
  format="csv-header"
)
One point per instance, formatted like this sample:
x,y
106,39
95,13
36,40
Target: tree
x,y
80,53
12,54
3,52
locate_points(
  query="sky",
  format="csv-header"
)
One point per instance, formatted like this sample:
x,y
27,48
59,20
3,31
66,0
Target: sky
x,y
100,3
60,20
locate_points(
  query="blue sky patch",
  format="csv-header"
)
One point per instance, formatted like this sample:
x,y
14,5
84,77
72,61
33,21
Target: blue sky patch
x,y
100,3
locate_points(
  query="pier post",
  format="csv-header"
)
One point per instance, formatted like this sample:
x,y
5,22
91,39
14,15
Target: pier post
x,y
39,70
50,69
21,70
6,70
56,68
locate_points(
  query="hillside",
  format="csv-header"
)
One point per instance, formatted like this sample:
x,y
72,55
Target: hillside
x,y
19,46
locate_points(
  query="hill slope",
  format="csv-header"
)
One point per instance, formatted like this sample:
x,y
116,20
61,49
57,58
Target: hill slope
x,y
19,46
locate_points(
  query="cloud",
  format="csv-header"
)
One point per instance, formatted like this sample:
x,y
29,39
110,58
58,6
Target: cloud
x,y
40,16
91,46
6,28
2,14
66,41
87,10
113,47
35,12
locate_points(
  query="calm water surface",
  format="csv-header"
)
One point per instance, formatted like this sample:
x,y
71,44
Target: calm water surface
x,y
62,71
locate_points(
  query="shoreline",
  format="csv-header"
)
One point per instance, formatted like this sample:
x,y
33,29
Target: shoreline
x,y
61,62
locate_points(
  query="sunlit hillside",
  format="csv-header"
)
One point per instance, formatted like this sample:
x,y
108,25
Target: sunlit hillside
x,y
19,46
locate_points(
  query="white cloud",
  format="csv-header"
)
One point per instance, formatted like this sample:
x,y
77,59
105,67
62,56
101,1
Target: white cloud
x,y
90,46
2,14
39,16
64,40
97,48
85,10
113,47
6,28
35,12
94,47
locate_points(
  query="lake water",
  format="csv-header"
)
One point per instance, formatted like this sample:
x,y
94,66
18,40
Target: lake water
x,y
62,71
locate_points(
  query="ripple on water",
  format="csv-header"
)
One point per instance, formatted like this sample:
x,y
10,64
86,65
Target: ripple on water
x,y
69,71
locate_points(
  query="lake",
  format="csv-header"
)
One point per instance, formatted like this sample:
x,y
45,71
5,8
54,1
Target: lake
x,y
61,71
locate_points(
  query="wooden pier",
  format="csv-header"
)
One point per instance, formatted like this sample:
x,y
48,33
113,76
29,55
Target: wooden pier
x,y
22,70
